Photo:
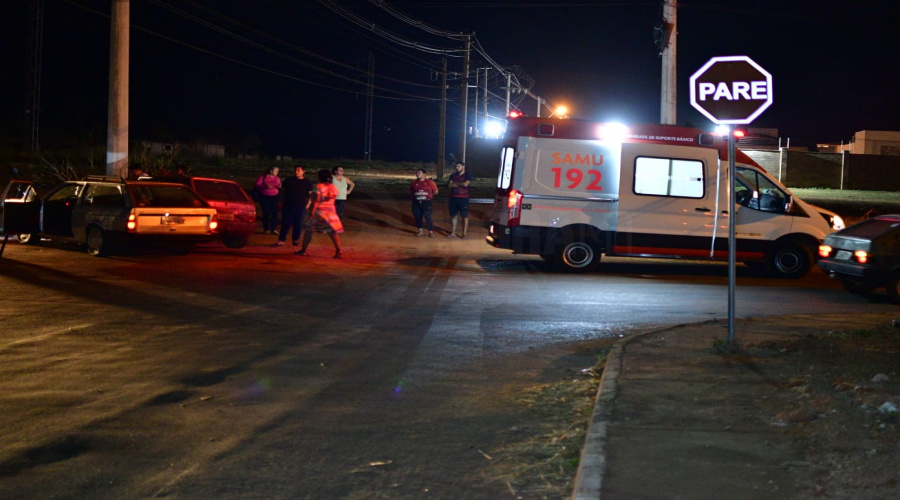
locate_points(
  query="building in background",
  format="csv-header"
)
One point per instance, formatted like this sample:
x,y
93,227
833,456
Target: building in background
x,y
869,142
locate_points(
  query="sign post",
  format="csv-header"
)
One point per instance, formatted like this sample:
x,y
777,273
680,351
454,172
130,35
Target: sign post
x,y
731,90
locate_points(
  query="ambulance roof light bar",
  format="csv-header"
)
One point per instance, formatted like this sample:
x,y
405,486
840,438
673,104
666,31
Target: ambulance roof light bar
x,y
613,131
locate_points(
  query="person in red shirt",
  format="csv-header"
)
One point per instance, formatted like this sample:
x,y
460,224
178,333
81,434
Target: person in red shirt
x,y
459,199
423,191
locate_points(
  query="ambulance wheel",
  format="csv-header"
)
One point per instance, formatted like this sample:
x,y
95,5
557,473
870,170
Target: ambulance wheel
x,y
576,256
790,260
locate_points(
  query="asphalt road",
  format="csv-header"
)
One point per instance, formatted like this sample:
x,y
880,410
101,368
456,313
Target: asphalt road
x,y
255,373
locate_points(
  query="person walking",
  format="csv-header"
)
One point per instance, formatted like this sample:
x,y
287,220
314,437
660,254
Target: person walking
x,y
296,191
345,187
323,217
268,185
459,199
423,190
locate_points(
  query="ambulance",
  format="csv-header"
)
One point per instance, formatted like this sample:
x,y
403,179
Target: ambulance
x,y
572,191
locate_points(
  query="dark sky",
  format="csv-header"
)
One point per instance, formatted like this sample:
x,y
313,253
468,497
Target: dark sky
x,y
286,70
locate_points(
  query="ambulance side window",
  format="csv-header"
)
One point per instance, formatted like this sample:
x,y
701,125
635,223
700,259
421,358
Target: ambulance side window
x,y
669,177
507,156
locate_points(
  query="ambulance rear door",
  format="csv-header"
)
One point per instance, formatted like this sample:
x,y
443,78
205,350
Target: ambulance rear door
x,y
569,182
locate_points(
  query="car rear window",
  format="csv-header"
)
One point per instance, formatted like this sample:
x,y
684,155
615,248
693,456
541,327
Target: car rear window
x,y
871,228
159,196
219,191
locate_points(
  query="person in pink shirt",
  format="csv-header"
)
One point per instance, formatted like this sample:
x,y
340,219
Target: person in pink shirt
x,y
269,186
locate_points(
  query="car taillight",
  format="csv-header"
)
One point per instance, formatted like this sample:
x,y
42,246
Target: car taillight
x,y
824,250
132,222
213,224
861,256
514,208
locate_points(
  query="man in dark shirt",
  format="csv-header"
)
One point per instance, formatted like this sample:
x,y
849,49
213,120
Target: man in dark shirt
x,y
296,191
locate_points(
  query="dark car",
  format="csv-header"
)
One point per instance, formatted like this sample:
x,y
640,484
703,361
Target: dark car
x,y
106,213
236,210
865,256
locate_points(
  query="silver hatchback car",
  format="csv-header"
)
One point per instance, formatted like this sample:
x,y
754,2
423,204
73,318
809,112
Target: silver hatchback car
x,y
107,213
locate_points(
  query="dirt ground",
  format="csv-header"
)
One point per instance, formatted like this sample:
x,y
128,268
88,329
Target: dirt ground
x,y
839,399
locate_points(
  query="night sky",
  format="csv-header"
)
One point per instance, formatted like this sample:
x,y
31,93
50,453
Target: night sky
x,y
292,73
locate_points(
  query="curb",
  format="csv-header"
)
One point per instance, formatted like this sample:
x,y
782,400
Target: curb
x,y
589,479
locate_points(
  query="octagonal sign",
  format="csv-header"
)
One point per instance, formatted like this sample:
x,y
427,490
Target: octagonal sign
x,y
731,90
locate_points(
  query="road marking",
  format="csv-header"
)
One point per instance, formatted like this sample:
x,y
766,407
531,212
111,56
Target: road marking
x,y
44,336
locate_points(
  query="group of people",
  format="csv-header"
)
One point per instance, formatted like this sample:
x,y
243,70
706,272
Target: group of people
x,y
423,191
320,207
305,208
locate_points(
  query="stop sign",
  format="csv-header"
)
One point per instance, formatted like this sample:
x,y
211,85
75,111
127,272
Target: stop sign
x,y
731,90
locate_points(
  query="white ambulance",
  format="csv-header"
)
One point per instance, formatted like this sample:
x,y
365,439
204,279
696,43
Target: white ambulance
x,y
571,190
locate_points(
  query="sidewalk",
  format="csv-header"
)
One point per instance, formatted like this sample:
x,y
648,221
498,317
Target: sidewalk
x,y
674,419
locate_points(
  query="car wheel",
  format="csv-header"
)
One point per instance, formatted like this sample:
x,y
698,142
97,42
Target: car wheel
x,y
28,239
235,241
96,242
858,288
182,248
893,288
577,256
790,260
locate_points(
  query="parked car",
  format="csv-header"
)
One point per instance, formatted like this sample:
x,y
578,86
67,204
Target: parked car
x,y
865,256
107,213
236,211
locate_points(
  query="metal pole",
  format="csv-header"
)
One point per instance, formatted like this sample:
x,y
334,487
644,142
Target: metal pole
x,y
442,126
669,94
485,93
508,92
732,244
464,99
370,105
117,120
475,132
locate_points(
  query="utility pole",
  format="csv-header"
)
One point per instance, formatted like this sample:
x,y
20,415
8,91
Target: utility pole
x,y
442,126
475,132
485,100
117,121
508,92
464,99
33,73
370,103
667,43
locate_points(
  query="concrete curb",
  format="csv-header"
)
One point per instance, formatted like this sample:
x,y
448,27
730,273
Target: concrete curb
x,y
591,467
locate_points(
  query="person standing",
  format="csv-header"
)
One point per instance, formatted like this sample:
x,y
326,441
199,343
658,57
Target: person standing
x,y
269,185
423,190
459,199
345,187
296,191
323,217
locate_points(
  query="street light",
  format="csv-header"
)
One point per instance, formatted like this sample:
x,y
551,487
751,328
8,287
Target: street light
x,y
561,111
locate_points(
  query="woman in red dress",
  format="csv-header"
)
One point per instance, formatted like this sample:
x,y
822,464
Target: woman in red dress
x,y
323,217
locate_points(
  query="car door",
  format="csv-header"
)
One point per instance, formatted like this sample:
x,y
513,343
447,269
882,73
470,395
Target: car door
x,y
671,202
19,208
57,208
